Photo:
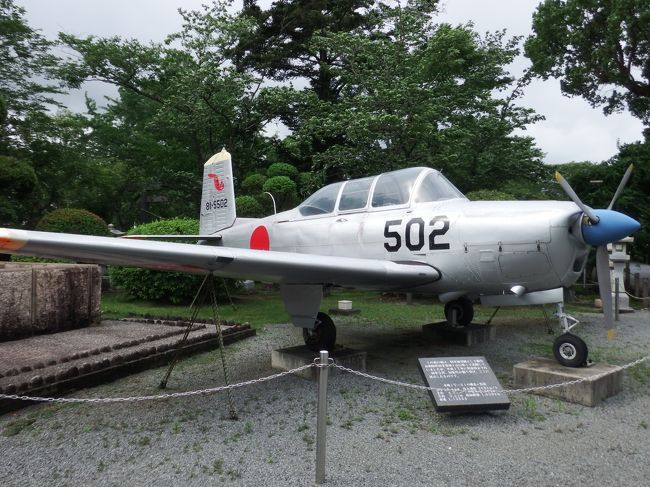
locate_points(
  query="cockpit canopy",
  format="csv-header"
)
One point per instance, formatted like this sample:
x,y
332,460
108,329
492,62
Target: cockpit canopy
x,y
395,188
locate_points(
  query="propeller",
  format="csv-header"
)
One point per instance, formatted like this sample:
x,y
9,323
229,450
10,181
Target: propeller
x,y
599,228
574,197
621,185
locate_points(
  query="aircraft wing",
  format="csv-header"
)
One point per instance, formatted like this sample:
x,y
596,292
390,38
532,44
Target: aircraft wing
x,y
282,267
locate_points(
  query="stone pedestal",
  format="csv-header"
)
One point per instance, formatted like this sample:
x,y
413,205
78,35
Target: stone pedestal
x,y
469,335
47,298
542,372
294,357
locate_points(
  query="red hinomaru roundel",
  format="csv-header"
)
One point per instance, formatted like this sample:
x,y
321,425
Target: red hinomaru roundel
x,y
260,239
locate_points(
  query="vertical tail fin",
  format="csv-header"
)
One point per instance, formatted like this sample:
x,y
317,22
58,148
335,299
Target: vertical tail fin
x,y
218,197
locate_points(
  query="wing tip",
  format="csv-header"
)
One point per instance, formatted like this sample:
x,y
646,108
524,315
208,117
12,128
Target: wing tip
x,y
12,239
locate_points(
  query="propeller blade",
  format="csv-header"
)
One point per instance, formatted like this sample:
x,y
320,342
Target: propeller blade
x,y
621,186
605,288
574,197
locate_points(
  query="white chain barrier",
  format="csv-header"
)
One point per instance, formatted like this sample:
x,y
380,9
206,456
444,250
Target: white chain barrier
x,y
172,395
331,363
507,391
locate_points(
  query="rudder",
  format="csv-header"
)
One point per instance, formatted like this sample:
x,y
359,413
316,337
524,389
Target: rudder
x,y
218,195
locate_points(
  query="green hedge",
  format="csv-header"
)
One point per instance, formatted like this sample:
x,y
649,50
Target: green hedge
x,y
72,220
67,220
164,286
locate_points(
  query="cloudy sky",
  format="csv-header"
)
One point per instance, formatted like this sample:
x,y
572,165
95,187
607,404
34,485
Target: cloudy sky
x,y
572,129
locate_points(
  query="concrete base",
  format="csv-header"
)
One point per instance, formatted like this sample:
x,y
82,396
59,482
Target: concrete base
x,y
469,335
344,312
294,357
542,371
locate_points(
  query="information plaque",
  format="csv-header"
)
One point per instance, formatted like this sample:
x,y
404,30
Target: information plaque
x,y
462,384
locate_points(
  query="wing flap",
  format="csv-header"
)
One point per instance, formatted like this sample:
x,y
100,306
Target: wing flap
x,y
282,267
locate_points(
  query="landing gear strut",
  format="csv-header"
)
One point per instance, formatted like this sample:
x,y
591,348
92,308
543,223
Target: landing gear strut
x,y
570,350
459,311
322,336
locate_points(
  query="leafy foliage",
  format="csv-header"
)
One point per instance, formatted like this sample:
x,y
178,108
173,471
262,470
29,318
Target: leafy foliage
x,y
595,45
284,191
249,207
282,169
18,180
24,58
73,220
416,94
489,195
253,184
164,286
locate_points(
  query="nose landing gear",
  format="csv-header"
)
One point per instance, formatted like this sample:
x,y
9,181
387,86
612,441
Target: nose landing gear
x,y
569,350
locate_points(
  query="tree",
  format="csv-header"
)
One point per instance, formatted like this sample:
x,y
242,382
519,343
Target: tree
x,y
18,180
24,59
190,90
417,94
599,49
281,44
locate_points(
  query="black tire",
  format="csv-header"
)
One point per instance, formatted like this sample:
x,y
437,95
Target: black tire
x,y
464,311
323,336
570,350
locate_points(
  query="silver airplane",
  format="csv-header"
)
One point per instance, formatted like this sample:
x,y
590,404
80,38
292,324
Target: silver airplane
x,y
408,230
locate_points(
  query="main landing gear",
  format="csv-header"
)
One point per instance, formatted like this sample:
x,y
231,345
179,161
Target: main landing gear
x,y
570,350
459,311
322,336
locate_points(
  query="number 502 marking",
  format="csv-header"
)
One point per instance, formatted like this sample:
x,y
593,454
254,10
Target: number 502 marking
x,y
415,226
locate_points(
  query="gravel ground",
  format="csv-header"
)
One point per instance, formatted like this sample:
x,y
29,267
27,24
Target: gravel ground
x,y
378,434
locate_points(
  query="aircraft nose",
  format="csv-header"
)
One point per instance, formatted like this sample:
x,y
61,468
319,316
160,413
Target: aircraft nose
x,y
611,227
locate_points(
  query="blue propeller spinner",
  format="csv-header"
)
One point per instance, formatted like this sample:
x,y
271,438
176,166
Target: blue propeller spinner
x,y
610,227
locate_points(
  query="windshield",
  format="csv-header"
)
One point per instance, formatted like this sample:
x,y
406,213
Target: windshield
x,y
436,187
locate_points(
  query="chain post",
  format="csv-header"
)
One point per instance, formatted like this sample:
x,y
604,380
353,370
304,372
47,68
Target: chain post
x,y
617,308
321,420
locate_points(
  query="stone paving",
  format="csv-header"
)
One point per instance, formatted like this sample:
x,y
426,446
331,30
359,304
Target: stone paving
x,y
47,364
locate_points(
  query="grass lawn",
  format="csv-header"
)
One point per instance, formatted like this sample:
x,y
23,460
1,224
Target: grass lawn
x,y
263,307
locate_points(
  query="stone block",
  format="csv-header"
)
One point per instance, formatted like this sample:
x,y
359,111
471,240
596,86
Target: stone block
x,y
294,357
47,298
469,335
601,380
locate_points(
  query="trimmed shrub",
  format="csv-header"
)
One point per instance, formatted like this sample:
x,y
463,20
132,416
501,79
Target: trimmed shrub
x,y
282,169
253,184
164,286
73,220
283,190
249,207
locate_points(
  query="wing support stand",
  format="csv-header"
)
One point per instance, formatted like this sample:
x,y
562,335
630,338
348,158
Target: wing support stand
x,y
207,291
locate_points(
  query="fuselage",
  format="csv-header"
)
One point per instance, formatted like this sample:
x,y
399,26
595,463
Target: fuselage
x,y
479,247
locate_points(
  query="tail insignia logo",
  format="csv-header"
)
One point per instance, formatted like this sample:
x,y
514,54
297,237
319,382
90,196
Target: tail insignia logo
x,y
218,183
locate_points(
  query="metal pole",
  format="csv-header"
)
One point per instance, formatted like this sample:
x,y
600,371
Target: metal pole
x,y
321,421
616,292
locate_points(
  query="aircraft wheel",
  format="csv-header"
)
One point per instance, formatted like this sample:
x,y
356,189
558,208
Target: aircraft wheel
x,y
570,350
323,336
464,310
